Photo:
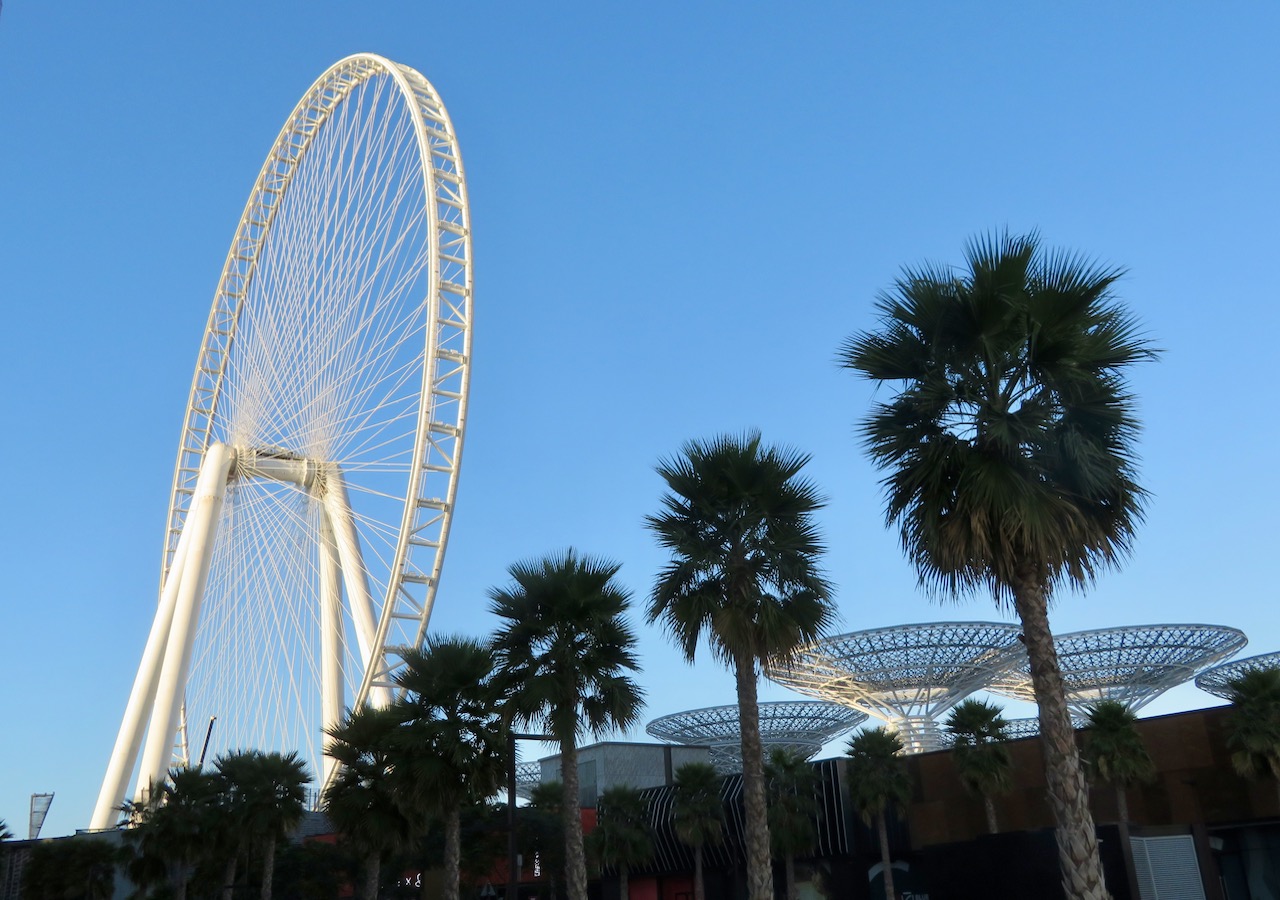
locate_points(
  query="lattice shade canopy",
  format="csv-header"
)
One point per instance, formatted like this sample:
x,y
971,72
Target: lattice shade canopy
x,y
907,675
1217,680
803,726
1133,664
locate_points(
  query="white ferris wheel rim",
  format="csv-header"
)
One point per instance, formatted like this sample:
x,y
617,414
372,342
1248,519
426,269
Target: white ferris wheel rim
x,y
414,549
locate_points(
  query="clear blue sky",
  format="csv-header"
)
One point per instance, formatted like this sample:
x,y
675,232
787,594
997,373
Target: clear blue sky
x,y
680,211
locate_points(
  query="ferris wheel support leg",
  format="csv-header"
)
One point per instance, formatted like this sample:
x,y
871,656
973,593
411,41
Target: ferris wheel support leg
x,y
129,740
331,637
338,507
206,507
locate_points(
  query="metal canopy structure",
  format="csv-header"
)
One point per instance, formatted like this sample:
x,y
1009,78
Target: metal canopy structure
x,y
1132,664
803,726
907,675
1217,680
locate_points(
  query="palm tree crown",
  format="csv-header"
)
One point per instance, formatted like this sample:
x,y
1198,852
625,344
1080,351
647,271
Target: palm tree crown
x,y
980,753
566,646
738,521
1253,729
622,838
697,810
1115,752
1010,443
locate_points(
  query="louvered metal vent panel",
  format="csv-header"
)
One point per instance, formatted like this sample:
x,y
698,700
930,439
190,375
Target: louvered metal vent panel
x,y
1167,868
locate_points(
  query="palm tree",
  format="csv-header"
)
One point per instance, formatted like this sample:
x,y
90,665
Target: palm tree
x,y
5,833
878,781
1009,448
980,753
543,818
365,802
792,783
564,653
698,814
453,741
738,521
622,838
80,867
183,822
267,793
1114,750
1253,729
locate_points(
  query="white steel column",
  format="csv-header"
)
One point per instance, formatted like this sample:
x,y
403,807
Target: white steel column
x,y
331,637
202,522
129,739
356,580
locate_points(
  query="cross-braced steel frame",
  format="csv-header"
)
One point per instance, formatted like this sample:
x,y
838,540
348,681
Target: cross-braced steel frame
x,y
802,726
906,675
1130,664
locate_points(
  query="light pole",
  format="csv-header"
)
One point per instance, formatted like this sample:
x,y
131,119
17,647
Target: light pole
x,y
513,870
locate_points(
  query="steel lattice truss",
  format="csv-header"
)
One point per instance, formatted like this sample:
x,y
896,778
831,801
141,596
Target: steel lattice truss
x,y
1133,664
528,777
1217,680
803,726
1022,728
906,675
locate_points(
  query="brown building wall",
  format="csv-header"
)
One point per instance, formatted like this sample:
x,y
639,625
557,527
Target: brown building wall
x,y
1195,784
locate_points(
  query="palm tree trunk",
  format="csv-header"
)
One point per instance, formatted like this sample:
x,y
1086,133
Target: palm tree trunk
x,y
886,864
452,852
268,866
372,874
1122,803
699,892
229,876
790,867
759,861
624,890
1068,794
992,825
575,859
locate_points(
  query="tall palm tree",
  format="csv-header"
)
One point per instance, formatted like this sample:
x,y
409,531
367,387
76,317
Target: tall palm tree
x,y
1010,456
1114,750
738,522
793,804
980,752
365,802
453,740
267,794
622,838
5,833
698,814
878,781
565,653
1253,729
182,823
543,820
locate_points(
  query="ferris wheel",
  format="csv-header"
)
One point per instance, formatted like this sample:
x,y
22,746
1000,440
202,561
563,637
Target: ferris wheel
x,y
318,462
